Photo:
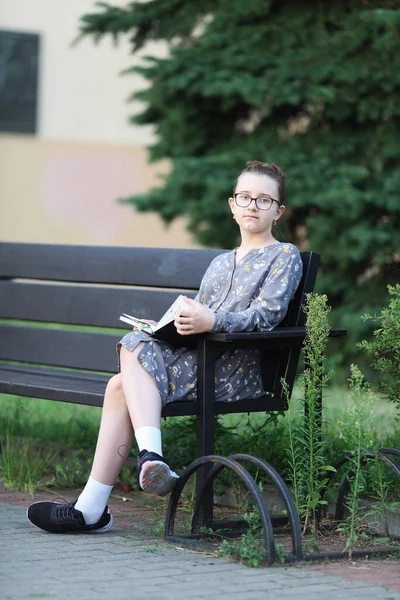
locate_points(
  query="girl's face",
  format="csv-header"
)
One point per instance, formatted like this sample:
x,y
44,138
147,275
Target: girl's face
x,y
250,218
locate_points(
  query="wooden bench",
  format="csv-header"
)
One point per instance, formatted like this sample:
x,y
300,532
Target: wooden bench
x,y
52,295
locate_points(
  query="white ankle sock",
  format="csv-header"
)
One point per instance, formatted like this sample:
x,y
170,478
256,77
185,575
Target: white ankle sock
x,y
149,438
93,500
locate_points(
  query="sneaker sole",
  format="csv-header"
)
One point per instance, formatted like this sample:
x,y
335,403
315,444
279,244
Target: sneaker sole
x,y
158,479
101,530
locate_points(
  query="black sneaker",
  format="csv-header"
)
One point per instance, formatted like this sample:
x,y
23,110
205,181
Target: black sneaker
x,y
159,478
65,518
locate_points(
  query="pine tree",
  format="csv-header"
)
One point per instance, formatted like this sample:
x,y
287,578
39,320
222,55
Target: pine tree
x,y
310,85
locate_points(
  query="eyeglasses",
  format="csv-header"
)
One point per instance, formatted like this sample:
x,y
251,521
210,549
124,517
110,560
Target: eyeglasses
x,y
263,203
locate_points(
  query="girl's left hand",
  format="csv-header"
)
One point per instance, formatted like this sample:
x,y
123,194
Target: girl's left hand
x,y
150,321
197,318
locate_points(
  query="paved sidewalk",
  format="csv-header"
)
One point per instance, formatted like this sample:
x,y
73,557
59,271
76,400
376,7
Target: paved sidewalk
x,y
127,563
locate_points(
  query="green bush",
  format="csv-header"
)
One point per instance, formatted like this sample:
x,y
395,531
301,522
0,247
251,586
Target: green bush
x,y
384,349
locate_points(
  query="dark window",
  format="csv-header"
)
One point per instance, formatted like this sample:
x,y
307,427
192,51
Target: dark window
x,y
19,58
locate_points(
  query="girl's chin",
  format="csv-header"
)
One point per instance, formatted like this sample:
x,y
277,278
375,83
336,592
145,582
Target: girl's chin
x,y
254,223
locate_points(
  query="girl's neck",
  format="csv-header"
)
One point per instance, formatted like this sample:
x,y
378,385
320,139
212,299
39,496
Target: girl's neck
x,y
255,242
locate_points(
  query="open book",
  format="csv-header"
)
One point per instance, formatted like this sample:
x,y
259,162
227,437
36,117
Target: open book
x,y
165,329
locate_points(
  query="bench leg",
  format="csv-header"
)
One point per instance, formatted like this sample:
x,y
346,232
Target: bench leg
x,y
207,354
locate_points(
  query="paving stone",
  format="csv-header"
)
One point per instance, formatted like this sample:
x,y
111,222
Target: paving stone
x,y
122,564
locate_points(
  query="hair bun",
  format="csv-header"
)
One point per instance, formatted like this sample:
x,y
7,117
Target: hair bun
x,y
255,165
271,170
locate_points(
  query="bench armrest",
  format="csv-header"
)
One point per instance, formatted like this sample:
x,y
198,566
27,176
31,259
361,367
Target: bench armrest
x,y
277,338
286,332
278,333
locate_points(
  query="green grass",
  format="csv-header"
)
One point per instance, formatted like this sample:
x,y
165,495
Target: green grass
x,y
71,425
335,400
24,466
45,443
55,441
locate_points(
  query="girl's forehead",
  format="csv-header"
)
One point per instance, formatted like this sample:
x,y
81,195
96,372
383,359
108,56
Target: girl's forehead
x,y
256,184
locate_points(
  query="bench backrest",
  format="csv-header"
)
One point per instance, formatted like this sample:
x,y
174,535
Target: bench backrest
x,y
62,292
95,290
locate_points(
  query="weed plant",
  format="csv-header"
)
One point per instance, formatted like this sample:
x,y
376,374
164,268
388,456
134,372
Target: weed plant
x,y
359,437
249,548
308,468
305,451
359,434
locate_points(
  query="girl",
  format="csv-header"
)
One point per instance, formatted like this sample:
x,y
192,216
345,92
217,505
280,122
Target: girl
x,y
248,289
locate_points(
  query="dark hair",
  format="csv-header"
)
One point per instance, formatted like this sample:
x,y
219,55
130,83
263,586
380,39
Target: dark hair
x,y
270,169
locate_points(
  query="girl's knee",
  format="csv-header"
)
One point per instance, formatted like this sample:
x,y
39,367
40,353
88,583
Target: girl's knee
x,y
114,386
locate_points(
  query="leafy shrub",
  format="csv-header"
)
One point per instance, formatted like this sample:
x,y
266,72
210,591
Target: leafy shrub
x,y
384,349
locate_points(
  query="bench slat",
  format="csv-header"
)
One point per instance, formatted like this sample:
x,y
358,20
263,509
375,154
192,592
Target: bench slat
x,y
59,348
52,386
81,305
82,388
152,267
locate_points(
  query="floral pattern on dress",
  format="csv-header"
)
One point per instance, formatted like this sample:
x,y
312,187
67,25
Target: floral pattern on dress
x,y
252,295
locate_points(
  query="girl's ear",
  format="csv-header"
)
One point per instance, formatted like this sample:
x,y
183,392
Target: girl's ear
x,y
231,203
280,211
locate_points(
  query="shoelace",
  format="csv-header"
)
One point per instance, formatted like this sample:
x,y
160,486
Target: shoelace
x,y
64,512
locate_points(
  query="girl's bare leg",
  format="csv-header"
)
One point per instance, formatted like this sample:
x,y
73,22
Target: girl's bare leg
x,y
131,401
113,444
115,434
141,392
144,405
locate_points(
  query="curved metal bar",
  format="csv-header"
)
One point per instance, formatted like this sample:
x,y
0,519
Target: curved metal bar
x,y
277,481
393,451
286,496
367,456
389,462
342,461
330,475
246,478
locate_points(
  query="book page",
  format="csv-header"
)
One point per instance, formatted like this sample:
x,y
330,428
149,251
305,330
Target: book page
x,y
168,316
137,323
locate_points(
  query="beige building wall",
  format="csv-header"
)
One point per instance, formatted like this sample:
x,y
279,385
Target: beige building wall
x,y
66,192
62,185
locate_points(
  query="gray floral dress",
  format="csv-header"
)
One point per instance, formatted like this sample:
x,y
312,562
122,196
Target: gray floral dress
x,y
252,295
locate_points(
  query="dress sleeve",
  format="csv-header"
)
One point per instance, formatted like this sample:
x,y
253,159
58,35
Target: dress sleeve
x,y
268,309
